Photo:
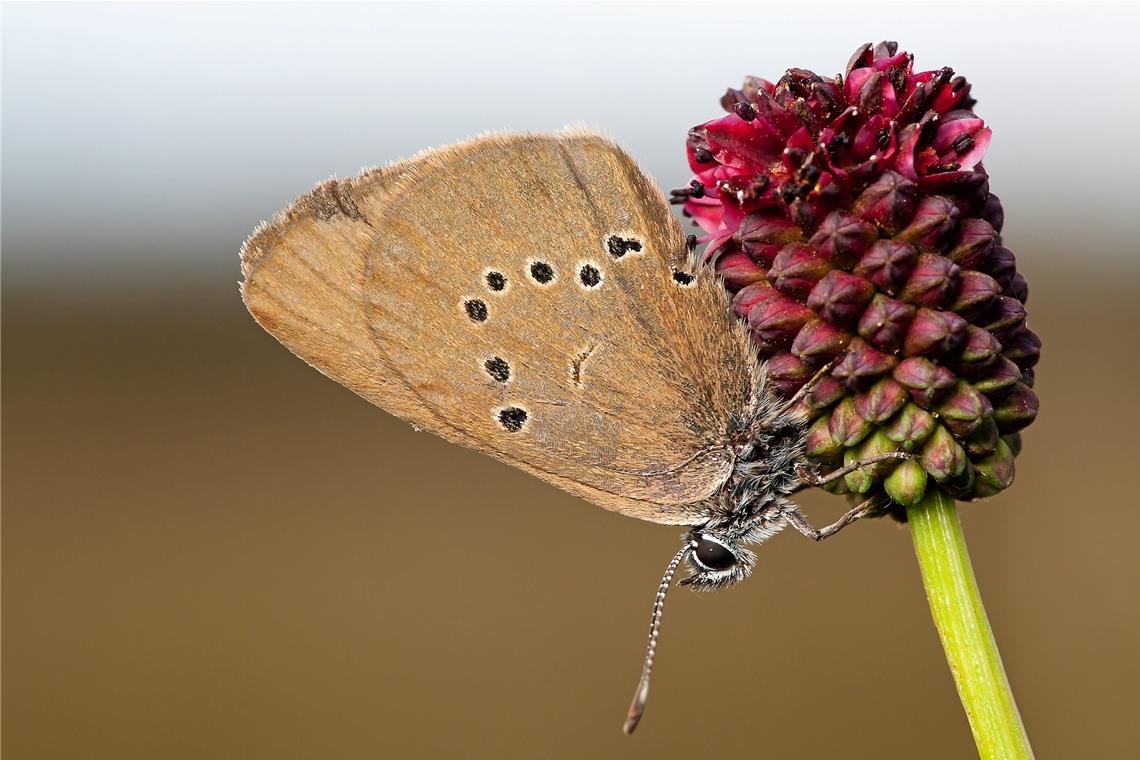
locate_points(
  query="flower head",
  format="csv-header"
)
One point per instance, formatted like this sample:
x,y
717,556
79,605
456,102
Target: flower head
x,y
853,222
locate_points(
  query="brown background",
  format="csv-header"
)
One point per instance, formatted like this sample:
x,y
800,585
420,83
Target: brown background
x,y
209,550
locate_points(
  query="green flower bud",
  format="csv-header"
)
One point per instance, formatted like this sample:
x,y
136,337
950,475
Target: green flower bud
x,y
907,483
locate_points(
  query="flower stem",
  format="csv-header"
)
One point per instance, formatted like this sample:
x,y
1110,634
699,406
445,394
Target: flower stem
x,y
964,629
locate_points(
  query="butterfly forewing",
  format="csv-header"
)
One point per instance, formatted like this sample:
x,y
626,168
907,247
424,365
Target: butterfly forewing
x,y
518,295
593,362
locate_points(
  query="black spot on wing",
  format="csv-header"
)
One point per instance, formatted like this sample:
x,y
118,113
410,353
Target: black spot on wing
x,y
496,281
498,369
590,276
541,272
512,418
476,309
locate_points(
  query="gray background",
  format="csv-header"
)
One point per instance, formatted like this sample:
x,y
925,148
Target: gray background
x,y
150,135
210,550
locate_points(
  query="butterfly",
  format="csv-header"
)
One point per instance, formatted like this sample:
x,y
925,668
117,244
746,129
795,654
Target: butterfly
x,y
532,297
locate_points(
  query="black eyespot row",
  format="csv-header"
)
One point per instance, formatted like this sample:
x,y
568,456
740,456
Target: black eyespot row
x,y
590,276
512,418
496,281
498,369
476,309
541,272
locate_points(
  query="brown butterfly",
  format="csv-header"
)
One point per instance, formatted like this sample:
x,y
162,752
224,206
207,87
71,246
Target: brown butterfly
x,y
533,297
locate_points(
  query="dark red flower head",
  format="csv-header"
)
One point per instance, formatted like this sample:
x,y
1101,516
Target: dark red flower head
x,y
853,221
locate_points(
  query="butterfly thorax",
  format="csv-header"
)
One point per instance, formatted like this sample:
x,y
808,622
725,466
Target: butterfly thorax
x,y
770,464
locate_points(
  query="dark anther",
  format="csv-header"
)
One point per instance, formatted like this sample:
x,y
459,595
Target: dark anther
x,y
826,96
942,77
745,111
496,281
682,278
679,195
730,98
512,418
811,173
498,369
690,243
927,132
798,82
957,84
796,155
883,138
756,187
476,310
963,144
590,276
949,166
788,193
703,156
696,189
541,272
897,77
837,143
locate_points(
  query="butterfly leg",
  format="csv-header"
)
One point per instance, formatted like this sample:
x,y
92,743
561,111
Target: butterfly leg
x,y
800,522
810,479
809,386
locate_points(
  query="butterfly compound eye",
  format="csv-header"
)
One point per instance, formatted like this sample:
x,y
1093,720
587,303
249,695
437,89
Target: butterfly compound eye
x,y
713,555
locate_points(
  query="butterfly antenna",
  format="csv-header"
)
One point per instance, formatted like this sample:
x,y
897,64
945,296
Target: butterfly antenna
x,y
641,696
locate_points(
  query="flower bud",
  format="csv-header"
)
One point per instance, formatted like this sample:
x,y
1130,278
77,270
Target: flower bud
x,y
840,297
887,264
864,478
942,457
885,322
994,473
1016,410
880,402
933,282
843,238
906,485
963,411
738,270
934,222
933,332
911,427
846,425
821,445
796,270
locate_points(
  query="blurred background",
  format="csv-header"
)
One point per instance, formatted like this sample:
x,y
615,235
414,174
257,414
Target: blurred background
x,y
210,550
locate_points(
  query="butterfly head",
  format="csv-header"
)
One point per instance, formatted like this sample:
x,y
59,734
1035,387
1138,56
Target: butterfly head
x,y
716,561
718,554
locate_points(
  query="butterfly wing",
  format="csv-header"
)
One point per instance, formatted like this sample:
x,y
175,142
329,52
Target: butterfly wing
x,y
516,294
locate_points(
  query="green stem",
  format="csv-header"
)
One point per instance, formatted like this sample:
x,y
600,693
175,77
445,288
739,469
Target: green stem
x,y
964,629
